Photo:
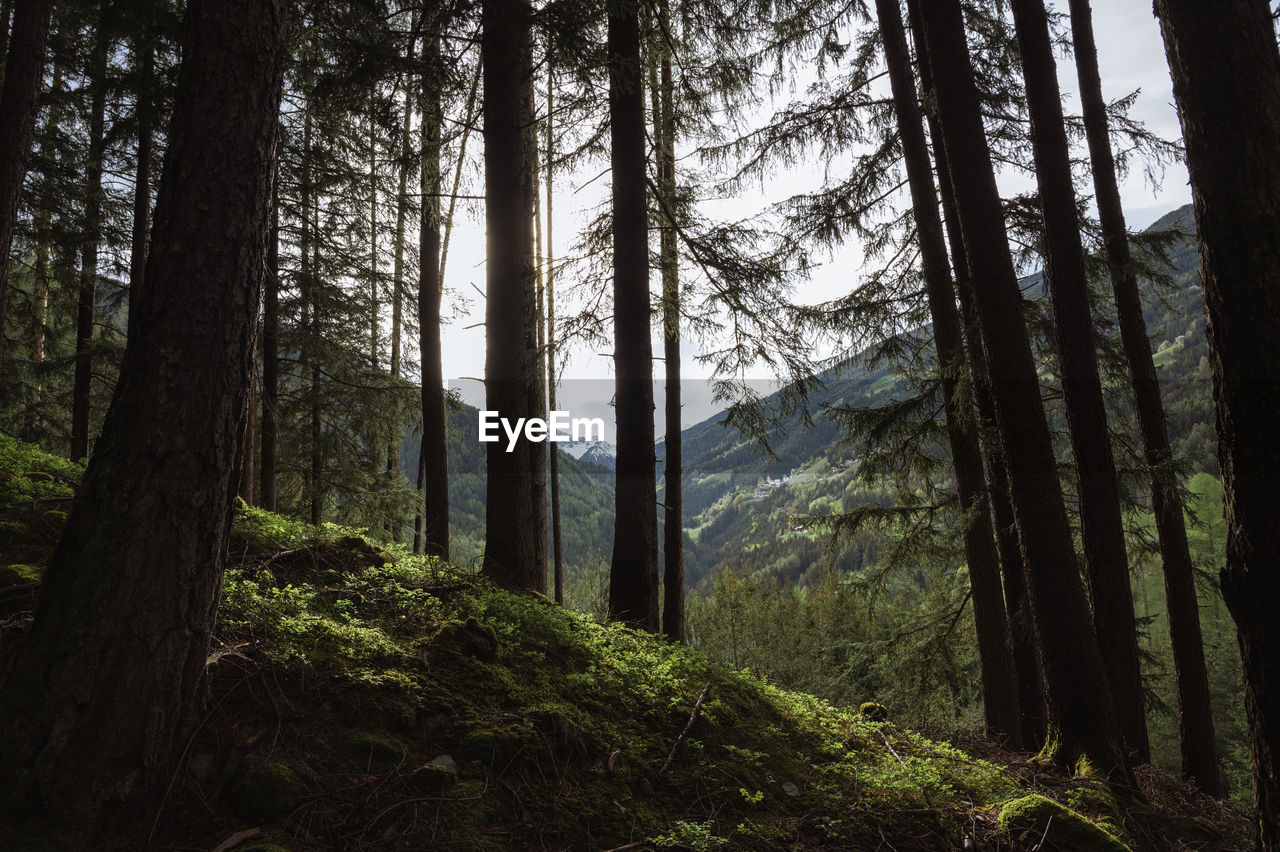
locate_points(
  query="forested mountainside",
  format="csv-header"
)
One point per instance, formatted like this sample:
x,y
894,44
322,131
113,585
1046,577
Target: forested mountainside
x,y
740,502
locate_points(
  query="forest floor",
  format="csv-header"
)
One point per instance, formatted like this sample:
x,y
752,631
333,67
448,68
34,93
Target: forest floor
x,y
360,697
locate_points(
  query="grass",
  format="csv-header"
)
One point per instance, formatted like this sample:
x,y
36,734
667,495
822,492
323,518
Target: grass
x,y
361,697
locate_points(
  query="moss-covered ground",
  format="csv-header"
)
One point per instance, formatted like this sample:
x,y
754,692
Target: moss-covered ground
x,y
360,697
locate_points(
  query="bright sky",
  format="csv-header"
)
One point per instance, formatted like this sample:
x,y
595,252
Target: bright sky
x,y
1131,56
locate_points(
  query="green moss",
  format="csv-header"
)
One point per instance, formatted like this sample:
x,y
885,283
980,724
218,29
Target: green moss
x,y
265,789
374,753
18,575
1033,817
873,711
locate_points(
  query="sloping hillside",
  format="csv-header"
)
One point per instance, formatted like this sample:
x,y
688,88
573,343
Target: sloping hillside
x,y
365,699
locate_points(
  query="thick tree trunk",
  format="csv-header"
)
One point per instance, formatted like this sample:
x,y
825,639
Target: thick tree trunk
x,y
515,511
633,575
270,418
434,466
96,706
24,68
1082,718
669,260
557,543
999,696
1226,80
1199,748
1101,523
81,390
1025,655
144,51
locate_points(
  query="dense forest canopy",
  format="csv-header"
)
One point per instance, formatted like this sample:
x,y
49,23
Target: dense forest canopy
x,y
988,462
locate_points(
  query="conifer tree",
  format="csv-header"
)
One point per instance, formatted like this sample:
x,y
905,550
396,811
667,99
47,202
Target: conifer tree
x,y
515,508
1226,82
1199,749
1081,716
1101,525
633,575
24,68
999,696
97,704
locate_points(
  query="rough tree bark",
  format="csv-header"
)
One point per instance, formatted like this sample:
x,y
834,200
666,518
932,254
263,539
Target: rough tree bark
x,y
515,510
23,70
1199,748
1226,81
97,703
1101,523
433,449
1082,718
633,574
999,696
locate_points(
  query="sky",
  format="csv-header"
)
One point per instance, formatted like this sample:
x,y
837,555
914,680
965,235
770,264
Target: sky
x,y
1131,57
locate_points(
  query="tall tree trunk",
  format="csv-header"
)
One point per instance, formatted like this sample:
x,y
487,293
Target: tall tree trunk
x,y
1026,663
144,53
374,303
633,575
24,69
1082,718
32,426
557,542
271,355
515,511
308,286
96,706
1226,81
81,390
669,260
434,462
1199,748
1101,523
999,697
397,279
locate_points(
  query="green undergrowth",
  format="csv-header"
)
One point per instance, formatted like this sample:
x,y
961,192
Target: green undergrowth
x,y
361,697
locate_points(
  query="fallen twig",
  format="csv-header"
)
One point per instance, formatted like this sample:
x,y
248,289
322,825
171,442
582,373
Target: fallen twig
x,y
693,717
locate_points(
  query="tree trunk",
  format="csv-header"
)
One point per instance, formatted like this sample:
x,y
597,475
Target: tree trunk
x,y
557,543
633,575
1024,653
6,12
669,260
33,429
1101,524
24,69
1082,718
1226,81
434,465
81,390
397,280
144,52
97,704
999,696
515,511
1199,748
271,355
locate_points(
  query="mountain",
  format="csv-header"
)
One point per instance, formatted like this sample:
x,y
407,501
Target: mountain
x,y
596,452
741,506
